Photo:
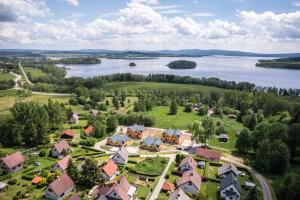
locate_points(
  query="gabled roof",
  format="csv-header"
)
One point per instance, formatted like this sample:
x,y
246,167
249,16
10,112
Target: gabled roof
x,y
228,180
61,185
226,168
88,130
94,112
13,160
74,115
75,197
168,186
208,153
68,132
61,145
170,132
121,187
119,138
63,163
123,153
190,161
149,141
110,168
36,180
179,194
190,176
137,128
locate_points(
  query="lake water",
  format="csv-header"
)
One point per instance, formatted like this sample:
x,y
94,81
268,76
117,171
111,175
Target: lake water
x,y
224,67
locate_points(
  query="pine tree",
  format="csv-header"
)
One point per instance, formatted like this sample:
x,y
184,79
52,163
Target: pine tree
x,y
173,108
73,171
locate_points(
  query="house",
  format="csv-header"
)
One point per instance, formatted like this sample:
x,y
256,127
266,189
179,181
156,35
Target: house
x,y
190,182
62,164
60,188
121,156
3,186
179,195
74,118
151,144
12,162
168,187
118,140
61,148
88,130
223,137
36,180
208,154
230,188
109,170
75,197
135,131
171,136
94,113
120,190
67,134
226,169
186,164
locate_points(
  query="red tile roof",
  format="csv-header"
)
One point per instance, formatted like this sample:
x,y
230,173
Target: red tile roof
x,y
110,168
121,188
190,176
190,160
36,180
208,153
61,145
168,186
63,163
88,130
75,197
61,185
13,159
68,132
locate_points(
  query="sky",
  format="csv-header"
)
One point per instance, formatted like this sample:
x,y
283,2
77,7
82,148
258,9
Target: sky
x,y
266,26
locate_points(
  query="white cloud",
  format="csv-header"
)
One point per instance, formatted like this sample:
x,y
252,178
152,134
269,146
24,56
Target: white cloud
x,y
297,3
146,2
73,2
203,14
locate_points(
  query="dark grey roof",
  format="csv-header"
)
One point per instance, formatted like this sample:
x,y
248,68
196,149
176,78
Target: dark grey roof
x,y
137,128
179,195
228,180
119,138
172,132
123,153
152,141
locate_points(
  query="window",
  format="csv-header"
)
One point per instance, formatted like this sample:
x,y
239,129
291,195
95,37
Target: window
x,y
231,189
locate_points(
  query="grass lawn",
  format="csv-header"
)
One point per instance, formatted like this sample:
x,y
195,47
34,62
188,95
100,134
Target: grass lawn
x,y
43,99
212,190
182,120
163,196
6,76
142,192
34,72
153,166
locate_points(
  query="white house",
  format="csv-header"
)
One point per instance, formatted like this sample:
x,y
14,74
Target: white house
x,y
62,164
179,195
187,163
13,162
60,148
190,182
60,188
74,118
109,170
121,156
230,189
226,169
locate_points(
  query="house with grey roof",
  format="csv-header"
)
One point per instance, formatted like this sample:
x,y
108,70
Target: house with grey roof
x,y
151,144
171,136
121,156
230,189
226,169
135,131
179,195
74,118
118,140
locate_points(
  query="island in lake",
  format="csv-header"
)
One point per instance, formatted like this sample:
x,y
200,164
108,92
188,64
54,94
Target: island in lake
x,y
132,64
182,64
282,63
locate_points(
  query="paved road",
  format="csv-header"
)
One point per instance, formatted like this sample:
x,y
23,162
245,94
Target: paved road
x,y
17,78
162,179
265,187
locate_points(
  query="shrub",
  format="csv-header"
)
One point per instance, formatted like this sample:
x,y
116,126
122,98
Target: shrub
x,y
12,181
43,152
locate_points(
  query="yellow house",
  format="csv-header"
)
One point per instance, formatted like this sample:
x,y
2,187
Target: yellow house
x,y
171,136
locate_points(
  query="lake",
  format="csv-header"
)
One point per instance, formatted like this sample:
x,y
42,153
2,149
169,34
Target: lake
x,y
224,67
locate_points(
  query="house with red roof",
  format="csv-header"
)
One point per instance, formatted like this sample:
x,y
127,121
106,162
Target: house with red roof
x,y
62,164
88,130
186,164
67,134
109,170
60,148
208,154
60,188
120,190
168,187
12,162
190,182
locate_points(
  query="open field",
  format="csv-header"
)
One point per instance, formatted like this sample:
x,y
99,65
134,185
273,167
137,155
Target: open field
x,y
6,77
34,72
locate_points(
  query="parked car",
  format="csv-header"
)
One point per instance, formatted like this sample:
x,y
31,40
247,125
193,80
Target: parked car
x,y
37,163
241,173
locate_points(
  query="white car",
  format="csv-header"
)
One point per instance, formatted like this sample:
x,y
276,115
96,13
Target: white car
x,y
241,173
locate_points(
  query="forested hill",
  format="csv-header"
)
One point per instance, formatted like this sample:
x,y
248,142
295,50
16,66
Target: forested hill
x,y
182,64
283,63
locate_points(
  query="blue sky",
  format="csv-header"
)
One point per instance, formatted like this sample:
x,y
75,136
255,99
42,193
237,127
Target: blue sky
x,y
247,25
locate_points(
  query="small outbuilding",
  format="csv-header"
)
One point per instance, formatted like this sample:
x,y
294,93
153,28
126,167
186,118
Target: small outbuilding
x,y
223,137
